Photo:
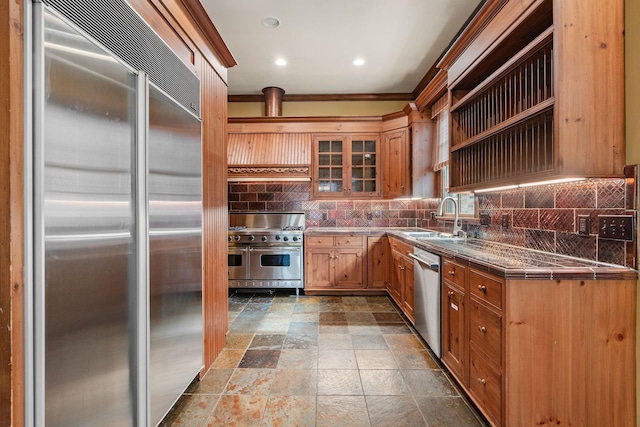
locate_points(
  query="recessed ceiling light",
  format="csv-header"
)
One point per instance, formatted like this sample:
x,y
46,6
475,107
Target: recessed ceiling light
x,y
281,62
358,62
271,22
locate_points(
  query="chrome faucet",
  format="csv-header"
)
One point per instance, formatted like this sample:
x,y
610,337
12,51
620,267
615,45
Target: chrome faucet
x,y
457,229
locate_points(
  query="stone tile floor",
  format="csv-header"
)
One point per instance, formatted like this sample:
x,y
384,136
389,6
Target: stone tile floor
x,y
321,361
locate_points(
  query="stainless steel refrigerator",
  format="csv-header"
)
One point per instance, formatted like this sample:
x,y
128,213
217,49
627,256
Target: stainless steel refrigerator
x,y
117,232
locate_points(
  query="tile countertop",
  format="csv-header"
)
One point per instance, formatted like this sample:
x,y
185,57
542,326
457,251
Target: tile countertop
x,y
510,262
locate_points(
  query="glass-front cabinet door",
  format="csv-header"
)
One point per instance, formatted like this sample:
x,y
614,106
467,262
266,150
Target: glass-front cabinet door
x,y
346,165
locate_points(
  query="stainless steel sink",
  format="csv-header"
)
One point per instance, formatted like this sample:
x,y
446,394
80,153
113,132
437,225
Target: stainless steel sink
x,y
427,235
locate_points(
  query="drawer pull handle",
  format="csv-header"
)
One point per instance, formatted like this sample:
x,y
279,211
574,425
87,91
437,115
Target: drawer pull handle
x,y
482,329
482,381
482,288
452,273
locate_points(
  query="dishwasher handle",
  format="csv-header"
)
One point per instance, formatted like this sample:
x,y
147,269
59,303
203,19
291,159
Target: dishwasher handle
x,y
431,266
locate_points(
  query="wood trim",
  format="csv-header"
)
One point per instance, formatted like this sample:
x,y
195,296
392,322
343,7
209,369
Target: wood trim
x,y
471,30
320,119
436,88
11,211
209,31
328,97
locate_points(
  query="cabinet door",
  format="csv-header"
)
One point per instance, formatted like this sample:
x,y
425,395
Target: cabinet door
x,y
346,165
348,268
396,177
407,296
397,278
454,340
378,262
319,268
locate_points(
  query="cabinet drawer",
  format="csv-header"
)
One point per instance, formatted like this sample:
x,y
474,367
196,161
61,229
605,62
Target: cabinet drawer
x,y
319,241
485,386
486,331
454,272
486,288
349,241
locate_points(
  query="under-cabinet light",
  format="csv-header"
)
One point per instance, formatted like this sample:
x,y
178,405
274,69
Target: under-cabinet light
x,y
551,181
487,190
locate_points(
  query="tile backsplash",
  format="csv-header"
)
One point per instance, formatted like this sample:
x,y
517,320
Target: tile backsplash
x,y
544,218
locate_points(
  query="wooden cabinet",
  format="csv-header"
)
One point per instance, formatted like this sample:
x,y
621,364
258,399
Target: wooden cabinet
x,y
334,262
396,151
521,348
346,165
378,262
530,94
454,332
472,334
401,286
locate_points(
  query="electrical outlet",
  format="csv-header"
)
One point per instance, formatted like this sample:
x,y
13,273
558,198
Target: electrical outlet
x,y
433,216
324,216
505,221
584,225
615,227
369,216
485,219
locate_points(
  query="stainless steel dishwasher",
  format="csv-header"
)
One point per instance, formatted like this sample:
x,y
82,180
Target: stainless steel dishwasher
x,y
427,297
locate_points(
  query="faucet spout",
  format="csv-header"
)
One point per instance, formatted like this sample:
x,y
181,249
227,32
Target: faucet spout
x,y
457,229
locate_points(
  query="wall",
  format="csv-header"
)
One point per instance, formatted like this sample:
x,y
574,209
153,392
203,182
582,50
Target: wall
x,y
321,109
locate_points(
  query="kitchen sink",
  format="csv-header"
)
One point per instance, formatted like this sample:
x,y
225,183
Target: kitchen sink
x,y
427,235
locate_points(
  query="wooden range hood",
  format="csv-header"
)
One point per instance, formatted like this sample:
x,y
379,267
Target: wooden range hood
x,y
264,155
269,156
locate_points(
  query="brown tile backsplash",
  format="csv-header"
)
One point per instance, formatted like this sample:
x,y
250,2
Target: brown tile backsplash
x,y
543,218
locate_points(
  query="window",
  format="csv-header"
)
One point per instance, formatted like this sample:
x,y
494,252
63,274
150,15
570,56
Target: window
x,y
466,202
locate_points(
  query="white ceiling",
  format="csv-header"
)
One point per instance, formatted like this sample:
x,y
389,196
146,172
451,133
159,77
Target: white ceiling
x,y
399,39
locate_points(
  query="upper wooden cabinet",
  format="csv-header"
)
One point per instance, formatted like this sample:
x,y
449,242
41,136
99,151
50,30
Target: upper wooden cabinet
x,y
396,152
346,165
538,95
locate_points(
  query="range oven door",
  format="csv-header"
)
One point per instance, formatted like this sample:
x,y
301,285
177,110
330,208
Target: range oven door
x,y
275,263
238,263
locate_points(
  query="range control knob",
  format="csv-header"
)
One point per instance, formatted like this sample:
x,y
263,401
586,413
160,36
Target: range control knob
x,y
285,238
295,238
252,238
277,237
238,238
264,238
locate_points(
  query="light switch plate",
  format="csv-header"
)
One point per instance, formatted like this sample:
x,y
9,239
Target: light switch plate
x,y
584,225
616,227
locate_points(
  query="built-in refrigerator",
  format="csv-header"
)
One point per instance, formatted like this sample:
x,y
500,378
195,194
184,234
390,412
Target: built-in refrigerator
x,y
117,223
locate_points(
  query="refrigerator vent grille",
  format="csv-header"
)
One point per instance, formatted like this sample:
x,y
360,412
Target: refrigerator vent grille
x,y
114,24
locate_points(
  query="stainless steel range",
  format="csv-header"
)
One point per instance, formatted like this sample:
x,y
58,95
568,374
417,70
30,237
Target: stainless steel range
x,y
265,250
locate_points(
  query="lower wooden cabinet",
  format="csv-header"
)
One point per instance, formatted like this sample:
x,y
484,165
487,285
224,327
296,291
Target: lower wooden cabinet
x,y
401,286
378,262
334,262
533,352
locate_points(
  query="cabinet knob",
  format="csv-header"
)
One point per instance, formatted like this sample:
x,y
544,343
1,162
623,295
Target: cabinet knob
x,y
452,273
482,329
482,288
348,241
450,294
482,381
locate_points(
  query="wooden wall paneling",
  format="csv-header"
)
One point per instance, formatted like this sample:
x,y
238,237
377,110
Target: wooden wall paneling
x,y
11,212
215,212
